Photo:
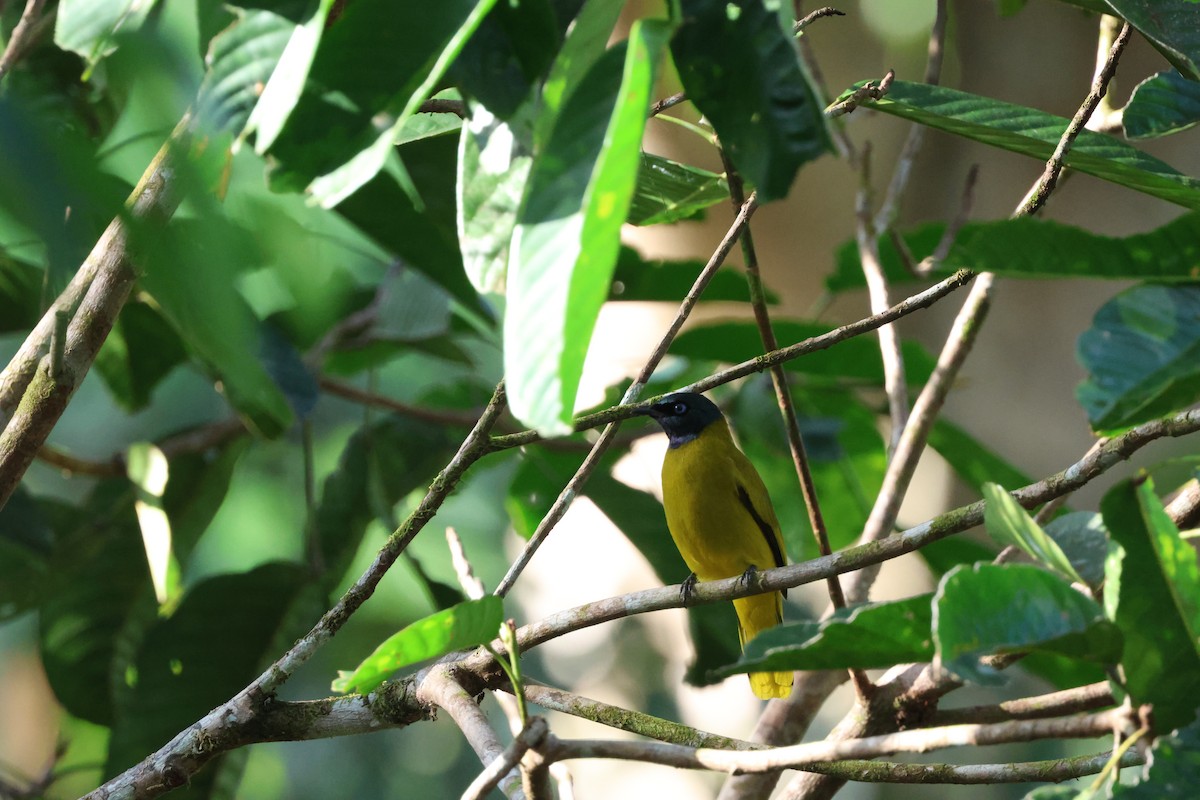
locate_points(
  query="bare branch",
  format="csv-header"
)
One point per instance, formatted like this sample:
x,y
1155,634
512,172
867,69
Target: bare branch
x,y
813,16
530,737
1053,770
1068,701
22,35
868,91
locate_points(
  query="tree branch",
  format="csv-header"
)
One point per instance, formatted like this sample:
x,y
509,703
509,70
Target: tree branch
x,y
1055,770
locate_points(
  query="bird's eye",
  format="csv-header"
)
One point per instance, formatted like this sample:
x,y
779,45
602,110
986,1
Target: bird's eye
x,y
679,409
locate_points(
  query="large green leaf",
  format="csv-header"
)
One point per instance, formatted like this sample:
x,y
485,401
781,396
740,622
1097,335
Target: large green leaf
x,y
1172,26
1009,524
20,295
989,609
1035,134
739,66
467,624
1152,591
1084,541
90,27
1173,771
1163,103
869,636
568,234
855,359
26,543
224,632
668,191
1142,355
190,273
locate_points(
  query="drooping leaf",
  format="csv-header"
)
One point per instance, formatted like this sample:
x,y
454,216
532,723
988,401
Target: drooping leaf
x,y
1142,355
568,233
1008,523
854,359
990,609
467,624
668,191
242,58
739,65
1172,770
1172,26
868,636
223,633
1152,591
1035,134
1162,104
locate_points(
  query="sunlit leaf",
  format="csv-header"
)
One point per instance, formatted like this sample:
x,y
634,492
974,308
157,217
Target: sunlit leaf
x,y
467,624
668,191
1164,103
1009,524
90,27
1172,26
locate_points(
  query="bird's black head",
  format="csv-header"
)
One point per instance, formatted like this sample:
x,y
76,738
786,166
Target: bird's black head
x,y
683,415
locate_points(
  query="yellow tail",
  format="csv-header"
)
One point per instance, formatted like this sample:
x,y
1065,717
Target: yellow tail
x,y
756,614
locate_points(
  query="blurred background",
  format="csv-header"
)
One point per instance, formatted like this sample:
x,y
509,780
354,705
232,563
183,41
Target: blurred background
x,y
1016,395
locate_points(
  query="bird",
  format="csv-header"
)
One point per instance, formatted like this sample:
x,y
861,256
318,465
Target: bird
x,y
720,515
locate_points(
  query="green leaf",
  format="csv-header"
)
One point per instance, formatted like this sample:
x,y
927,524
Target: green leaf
x,y
96,580
988,609
241,60
467,624
739,66
1172,26
1172,771
1035,134
971,460
637,279
224,632
195,490
190,273
20,294
1162,104
869,636
139,352
90,27
286,84
1142,355
1084,541
1008,523
1152,591
568,234
381,463
853,359
492,169
333,187
668,191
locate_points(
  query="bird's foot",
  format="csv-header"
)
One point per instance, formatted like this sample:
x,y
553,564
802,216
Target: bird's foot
x,y
749,578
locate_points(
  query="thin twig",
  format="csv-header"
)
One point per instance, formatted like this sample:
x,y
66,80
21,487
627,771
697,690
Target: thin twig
x,y
530,737
197,440
573,487
1068,701
22,35
787,406
916,302
1053,770
357,395
471,585
868,91
667,102
1040,193
813,16
796,756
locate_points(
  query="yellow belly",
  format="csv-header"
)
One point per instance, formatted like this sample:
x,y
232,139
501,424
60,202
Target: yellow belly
x,y
707,484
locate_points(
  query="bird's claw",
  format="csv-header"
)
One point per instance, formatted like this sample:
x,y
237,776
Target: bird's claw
x,y
687,590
